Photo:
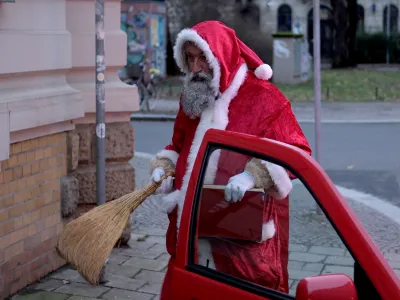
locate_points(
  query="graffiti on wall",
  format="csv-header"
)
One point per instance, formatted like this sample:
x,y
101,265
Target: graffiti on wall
x,y
135,25
146,33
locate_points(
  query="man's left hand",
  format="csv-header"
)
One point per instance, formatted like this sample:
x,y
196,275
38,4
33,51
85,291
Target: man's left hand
x,y
238,185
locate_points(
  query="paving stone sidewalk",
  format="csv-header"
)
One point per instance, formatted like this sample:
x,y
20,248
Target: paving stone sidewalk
x,y
137,271
133,272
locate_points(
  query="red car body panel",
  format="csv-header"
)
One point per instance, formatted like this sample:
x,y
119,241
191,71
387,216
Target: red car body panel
x,y
189,285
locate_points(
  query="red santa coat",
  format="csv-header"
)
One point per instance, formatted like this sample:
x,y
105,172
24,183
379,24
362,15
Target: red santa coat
x,y
244,104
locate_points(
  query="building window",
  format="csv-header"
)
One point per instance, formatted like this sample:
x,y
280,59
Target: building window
x,y
284,18
360,18
394,18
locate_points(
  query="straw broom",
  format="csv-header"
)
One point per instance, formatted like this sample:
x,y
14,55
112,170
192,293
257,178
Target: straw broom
x,y
87,241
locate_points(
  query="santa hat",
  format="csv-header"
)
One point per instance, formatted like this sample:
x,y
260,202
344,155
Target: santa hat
x,y
225,53
261,70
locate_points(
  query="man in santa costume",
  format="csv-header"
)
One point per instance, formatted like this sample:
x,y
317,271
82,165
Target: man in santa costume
x,y
226,87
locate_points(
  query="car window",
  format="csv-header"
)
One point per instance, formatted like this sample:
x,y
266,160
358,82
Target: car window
x,y
260,236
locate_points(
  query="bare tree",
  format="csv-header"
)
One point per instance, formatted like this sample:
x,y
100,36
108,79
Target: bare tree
x,y
345,28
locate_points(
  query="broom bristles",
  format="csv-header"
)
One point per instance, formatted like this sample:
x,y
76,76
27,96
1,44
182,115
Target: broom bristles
x,y
87,241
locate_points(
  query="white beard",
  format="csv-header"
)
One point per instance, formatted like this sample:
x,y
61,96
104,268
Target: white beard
x,y
197,95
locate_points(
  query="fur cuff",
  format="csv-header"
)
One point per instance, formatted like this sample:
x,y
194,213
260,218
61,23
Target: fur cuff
x,y
166,160
271,177
260,174
170,154
168,203
282,183
268,230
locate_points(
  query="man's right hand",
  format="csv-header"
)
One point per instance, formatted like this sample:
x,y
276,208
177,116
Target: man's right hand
x,y
166,186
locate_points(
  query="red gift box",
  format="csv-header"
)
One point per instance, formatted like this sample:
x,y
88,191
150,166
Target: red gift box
x,y
240,220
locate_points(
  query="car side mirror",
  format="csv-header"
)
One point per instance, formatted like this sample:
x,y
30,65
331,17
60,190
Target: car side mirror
x,y
326,287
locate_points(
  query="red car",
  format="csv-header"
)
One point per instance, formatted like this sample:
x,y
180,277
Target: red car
x,y
372,277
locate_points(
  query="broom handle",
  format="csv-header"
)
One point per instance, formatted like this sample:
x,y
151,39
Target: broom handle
x,y
146,191
152,187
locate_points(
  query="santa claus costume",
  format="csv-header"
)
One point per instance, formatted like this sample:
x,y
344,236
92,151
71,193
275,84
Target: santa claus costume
x,y
247,103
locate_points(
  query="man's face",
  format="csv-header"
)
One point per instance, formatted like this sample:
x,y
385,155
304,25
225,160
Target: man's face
x,y
196,60
197,92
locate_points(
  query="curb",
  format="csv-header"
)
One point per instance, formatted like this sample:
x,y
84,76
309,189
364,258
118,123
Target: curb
x,y
378,204
170,117
143,155
152,117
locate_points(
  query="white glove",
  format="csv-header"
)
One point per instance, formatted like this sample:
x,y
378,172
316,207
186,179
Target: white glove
x,y
166,186
238,185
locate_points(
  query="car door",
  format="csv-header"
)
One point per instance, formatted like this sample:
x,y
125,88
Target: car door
x,y
232,257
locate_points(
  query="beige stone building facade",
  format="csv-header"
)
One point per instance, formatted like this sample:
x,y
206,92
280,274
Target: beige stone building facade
x,y
296,16
47,127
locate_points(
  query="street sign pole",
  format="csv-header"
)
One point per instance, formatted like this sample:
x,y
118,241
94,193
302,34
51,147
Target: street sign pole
x,y
100,105
317,81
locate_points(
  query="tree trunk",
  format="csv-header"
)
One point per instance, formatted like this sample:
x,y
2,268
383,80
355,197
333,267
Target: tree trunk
x,y
352,31
175,17
345,27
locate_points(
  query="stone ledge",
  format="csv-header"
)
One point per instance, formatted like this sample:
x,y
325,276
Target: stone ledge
x,y
34,100
34,112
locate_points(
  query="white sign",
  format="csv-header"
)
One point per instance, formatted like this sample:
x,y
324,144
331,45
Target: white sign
x,y
101,130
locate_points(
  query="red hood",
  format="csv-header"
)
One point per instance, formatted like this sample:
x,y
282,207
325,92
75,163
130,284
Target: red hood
x,y
224,52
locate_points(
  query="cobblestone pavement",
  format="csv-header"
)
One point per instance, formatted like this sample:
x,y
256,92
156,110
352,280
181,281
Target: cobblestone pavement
x,y
137,271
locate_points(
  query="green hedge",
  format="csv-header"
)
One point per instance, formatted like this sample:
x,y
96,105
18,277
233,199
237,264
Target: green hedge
x,y
371,48
287,35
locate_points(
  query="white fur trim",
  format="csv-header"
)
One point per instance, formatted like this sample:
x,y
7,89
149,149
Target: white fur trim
x,y
263,72
191,35
205,255
213,117
268,230
282,183
169,202
170,154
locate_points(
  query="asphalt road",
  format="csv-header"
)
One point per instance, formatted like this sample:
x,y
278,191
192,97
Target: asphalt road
x,y
364,157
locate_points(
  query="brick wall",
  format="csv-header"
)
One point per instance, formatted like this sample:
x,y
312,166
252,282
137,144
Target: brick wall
x,y
30,218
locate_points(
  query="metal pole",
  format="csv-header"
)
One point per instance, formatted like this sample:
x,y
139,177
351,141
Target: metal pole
x,y
100,103
388,15
317,80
